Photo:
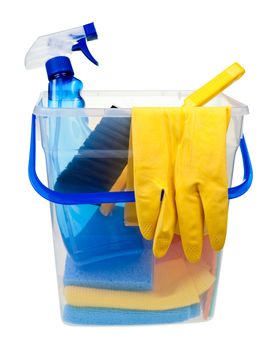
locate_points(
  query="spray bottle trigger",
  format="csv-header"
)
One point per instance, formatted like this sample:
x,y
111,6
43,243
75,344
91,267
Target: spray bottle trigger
x,y
82,46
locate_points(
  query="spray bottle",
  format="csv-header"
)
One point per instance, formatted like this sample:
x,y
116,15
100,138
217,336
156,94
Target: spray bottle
x,y
63,91
62,136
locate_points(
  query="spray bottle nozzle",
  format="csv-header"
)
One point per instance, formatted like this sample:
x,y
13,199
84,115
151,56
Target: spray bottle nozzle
x,y
61,44
90,31
81,44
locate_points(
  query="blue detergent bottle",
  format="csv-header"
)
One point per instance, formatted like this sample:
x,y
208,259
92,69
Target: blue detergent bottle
x,y
88,235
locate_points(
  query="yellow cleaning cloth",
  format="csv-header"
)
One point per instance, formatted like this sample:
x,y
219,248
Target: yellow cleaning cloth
x,y
176,284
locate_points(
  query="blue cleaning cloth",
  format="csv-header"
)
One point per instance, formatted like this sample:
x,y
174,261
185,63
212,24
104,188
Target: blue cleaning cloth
x,y
102,316
130,272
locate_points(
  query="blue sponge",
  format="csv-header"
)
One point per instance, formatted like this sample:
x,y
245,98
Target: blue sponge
x,y
102,316
130,272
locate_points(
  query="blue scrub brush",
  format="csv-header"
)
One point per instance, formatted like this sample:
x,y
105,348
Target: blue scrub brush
x,y
89,173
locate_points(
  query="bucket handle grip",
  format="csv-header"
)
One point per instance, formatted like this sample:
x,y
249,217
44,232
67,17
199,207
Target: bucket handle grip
x,y
116,197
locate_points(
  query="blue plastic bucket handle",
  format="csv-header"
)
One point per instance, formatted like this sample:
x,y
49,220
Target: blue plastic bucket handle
x,y
116,197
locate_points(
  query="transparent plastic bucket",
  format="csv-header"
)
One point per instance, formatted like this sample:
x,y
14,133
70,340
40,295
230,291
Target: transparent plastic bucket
x,y
106,271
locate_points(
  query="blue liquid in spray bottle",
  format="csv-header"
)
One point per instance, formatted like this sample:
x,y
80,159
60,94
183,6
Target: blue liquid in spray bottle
x,y
64,91
66,135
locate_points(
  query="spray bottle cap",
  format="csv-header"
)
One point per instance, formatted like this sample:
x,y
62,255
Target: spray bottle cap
x,y
61,44
59,65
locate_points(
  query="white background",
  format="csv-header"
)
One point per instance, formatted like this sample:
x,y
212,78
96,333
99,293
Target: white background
x,y
142,45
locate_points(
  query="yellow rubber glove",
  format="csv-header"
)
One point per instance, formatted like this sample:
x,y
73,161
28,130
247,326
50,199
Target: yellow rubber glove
x,y
197,98
153,173
201,178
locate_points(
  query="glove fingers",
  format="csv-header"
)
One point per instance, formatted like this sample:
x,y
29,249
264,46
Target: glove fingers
x,y
214,183
215,204
167,220
148,208
130,214
191,223
165,226
150,156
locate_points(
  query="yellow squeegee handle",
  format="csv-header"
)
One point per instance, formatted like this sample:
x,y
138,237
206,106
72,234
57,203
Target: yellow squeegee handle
x,y
215,86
